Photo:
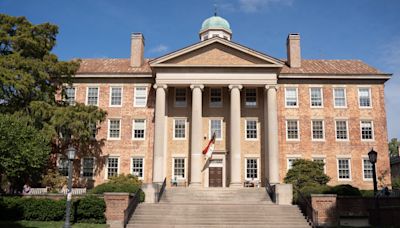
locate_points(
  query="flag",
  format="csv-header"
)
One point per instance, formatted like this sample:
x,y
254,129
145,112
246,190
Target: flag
x,y
210,147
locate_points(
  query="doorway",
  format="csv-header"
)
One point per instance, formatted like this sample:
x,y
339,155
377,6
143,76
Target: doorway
x,y
215,177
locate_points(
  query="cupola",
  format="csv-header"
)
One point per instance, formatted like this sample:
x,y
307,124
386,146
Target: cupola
x,y
215,26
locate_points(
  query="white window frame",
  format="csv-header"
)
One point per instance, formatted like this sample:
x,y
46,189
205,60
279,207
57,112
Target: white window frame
x,y
363,169
59,158
297,97
258,168
291,157
143,166
122,95
134,128
87,95
184,168
337,167
183,105
245,129
322,96
372,131
222,129
215,104
66,98
135,96
108,129
314,158
82,167
323,130
118,168
345,97
298,130
347,130
245,98
370,97
173,129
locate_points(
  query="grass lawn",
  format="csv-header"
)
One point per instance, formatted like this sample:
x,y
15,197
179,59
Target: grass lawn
x,y
40,224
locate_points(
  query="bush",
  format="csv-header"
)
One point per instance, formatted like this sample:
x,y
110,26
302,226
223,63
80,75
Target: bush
x,y
344,190
88,209
306,173
314,189
122,183
54,180
396,183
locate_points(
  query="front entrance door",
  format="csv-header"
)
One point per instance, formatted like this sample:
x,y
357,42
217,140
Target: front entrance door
x,y
215,177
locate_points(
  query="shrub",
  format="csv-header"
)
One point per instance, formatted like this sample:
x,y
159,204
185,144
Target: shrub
x,y
396,183
122,183
344,190
90,210
54,180
314,189
367,193
306,173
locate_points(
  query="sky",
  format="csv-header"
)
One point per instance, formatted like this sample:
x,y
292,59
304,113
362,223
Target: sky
x,y
343,29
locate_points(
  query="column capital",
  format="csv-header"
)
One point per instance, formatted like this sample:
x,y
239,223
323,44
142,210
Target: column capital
x,y
271,87
235,86
201,86
156,86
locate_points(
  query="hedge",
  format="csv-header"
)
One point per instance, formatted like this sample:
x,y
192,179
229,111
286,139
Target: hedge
x,y
89,209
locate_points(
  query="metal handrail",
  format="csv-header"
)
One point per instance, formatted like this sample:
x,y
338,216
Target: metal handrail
x,y
270,190
306,208
160,193
133,202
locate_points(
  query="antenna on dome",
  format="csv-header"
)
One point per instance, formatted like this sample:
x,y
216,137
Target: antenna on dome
x,y
215,9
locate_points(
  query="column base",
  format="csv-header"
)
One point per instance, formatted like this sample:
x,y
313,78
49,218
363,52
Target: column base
x,y
195,185
235,185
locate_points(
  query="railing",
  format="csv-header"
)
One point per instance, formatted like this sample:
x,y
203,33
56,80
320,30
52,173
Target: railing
x,y
160,193
306,208
133,202
270,190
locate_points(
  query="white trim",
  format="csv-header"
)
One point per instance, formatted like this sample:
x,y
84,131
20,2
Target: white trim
x,y
370,97
323,130
245,97
291,157
131,165
185,167
87,94
257,128
222,128
322,95
146,96
347,130
108,128
110,96
258,168
345,97
363,170
337,168
173,128
330,76
118,168
186,97
372,131
298,130
297,96
216,105
133,129
67,86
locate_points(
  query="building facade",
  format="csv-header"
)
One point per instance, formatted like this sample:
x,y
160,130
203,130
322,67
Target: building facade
x,y
265,113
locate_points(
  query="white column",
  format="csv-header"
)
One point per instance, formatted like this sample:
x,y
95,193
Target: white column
x,y
273,147
196,136
235,136
159,134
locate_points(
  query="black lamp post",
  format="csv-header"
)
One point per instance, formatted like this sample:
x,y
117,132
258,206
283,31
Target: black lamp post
x,y
71,151
372,158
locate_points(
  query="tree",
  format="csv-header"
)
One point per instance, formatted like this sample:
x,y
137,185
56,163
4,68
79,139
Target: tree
x,y
24,150
394,147
306,173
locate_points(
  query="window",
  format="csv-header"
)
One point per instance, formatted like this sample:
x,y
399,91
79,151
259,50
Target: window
x,y
251,97
251,168
292,127
341,130
87,167
137,167
344,169
139,128
216,126
180,97
316,97
290,162
116,96
339,96
179,168
93,129
367,169
322,161
367,132
62,166
70,95
251,129
114,128
291,97
112,167
215,97
364,96
140,97
92,96
179,128
317,129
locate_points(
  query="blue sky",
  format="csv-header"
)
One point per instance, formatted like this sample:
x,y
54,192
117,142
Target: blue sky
x,y
353,29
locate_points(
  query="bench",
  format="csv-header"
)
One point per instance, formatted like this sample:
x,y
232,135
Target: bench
x,y
251,184
178,182
75,191
37,191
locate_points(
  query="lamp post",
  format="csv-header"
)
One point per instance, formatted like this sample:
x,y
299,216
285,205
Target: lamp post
x,y
372,155
71,151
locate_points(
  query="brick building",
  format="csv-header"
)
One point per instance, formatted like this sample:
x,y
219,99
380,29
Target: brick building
x,y
265,113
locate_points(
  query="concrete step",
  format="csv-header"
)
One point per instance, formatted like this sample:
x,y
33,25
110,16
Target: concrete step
x,y
139,225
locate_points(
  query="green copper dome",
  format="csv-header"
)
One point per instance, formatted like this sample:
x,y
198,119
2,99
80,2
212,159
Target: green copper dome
x,y
216,22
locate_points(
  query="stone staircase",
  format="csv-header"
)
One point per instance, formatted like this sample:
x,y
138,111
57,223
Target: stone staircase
x,y
212,207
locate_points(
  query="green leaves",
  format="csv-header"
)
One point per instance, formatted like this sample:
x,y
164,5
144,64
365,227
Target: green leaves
x,y
306,173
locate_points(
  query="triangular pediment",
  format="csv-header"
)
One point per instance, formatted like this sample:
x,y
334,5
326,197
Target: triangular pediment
x,y
216,52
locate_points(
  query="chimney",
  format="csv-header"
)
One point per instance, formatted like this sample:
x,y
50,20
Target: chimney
x,y
293,50
137,49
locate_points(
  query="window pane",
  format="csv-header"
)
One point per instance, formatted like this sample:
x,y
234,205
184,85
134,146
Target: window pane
x,y
139,129
63,166
317,129
180,131
251,129
179,167
366,130
322,161
137,167
70,95
180,97
93,93
112,167
140,96
251,97
367,169
216,97
341,129
114,128
88,167
290,163
316,97
292,129
291,96
340,97
344,168
251,169
216,127
116,95
364,96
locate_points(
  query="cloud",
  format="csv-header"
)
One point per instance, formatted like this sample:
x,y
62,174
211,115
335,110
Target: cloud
x,y
250,6
159,49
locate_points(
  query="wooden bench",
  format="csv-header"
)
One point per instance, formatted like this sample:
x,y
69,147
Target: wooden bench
x,y
75,191
37,191
178,183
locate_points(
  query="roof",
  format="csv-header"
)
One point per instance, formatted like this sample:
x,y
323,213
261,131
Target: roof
x,y
336,67
112,66
215,22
